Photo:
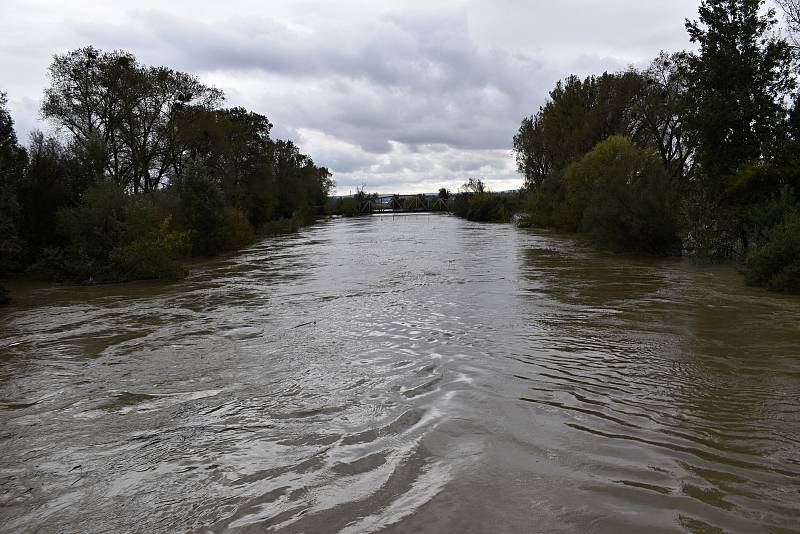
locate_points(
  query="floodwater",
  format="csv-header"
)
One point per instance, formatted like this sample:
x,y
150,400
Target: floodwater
x,y
404,374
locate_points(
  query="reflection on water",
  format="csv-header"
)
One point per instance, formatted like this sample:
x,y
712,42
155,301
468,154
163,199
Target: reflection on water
x,y
409,373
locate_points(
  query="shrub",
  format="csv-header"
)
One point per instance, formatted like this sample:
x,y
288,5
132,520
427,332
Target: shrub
x,y
239,233
347,207
461,205
112,236
153,251
91,231
623,197
775,262
540,208
202,213
492,207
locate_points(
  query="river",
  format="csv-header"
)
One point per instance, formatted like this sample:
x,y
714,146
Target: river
x,y
414,373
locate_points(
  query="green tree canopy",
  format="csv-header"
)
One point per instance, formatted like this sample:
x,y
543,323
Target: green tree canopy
x,y
737,85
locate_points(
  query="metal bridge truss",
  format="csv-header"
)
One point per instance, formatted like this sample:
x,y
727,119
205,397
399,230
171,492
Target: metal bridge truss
x,y
405,204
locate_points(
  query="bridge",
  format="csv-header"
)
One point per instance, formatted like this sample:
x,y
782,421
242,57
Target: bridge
x,y
404,203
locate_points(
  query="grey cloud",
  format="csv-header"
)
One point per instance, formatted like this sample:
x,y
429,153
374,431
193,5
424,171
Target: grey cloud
x,y
416,80
417,96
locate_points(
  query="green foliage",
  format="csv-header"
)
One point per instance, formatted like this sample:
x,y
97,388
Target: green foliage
x,y
55,179
12,165
578,115
623,197
239,233
492,207
737,83
151,168
486,206
124,115
154,254
202,212
540,209
111,236
91,230
775,262
711,158
346,207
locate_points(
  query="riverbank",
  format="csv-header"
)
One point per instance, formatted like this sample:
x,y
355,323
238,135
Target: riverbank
x,y
270,229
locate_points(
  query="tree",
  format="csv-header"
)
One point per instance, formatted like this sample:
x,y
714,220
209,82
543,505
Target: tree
x,y
579,114
533,161
124,113
55,179
623,197
12,167
658,111
791,12
737,84
202,211
474,185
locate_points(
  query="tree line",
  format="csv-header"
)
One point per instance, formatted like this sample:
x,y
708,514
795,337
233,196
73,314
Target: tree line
x,y
146,167
699,153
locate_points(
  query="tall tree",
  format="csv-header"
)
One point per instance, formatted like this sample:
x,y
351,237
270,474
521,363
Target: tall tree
x,y
124,113
737,84
658,112
12,167
578,115
533,161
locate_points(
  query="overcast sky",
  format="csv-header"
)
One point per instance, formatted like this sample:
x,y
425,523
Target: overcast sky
x,y
401,96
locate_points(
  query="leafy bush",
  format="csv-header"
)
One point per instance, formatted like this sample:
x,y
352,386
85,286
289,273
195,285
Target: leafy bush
x,y
540,207
153,252
461,205
353,206
202,213
623,197
238,231
775,262
492,207
91,231
112,236
346,207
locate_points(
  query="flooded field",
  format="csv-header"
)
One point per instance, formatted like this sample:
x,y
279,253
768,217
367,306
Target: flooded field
x,y
404,374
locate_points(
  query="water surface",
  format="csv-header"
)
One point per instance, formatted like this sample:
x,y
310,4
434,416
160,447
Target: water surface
x,y
404,374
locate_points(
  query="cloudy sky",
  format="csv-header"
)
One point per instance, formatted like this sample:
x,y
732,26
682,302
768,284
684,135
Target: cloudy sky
x,y
397,95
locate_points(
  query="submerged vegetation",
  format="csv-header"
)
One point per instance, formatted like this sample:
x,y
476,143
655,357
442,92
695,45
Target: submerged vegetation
x,y
147,168
697,154
476,203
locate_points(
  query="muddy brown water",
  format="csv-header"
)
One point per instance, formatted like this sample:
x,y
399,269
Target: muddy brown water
x,y
404,374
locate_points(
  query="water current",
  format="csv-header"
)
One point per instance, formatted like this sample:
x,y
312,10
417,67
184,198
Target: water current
x,y
414,373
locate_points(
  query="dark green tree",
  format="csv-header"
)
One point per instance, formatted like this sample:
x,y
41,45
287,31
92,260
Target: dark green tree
x,y
623,197
56,178
737,83
124,113
657,113
12,167
579,114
